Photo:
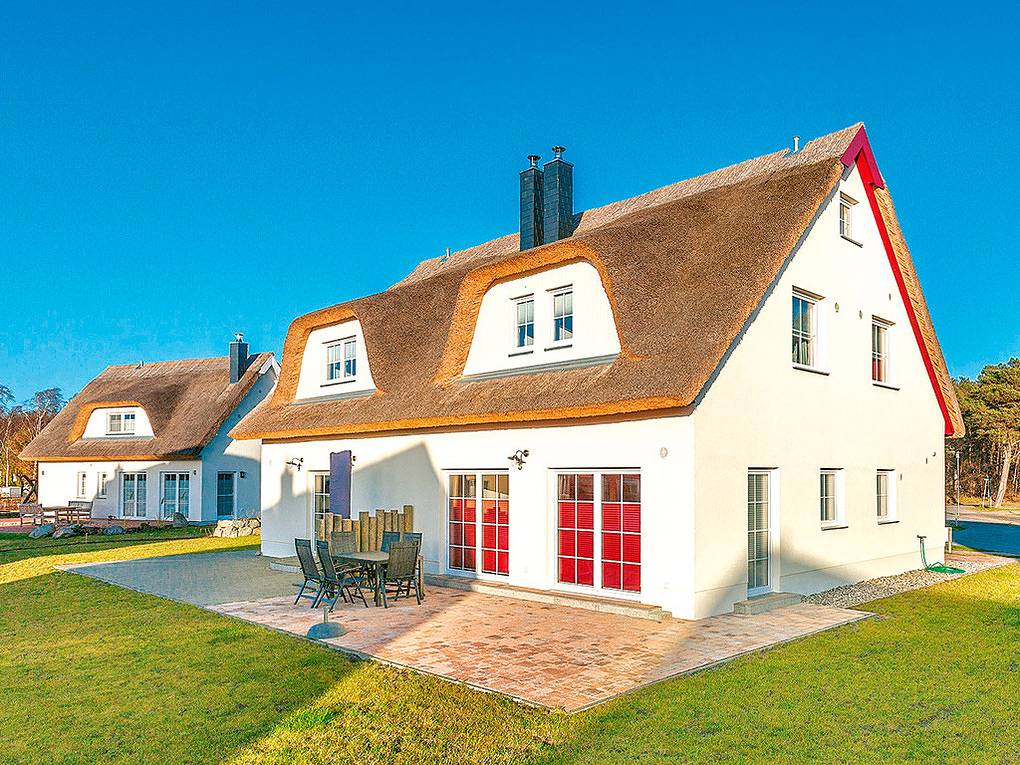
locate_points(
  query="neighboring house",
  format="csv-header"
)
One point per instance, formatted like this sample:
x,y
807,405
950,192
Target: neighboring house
x,y
148,440
721,388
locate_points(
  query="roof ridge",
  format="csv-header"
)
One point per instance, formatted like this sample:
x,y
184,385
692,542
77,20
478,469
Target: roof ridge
x,y
814,150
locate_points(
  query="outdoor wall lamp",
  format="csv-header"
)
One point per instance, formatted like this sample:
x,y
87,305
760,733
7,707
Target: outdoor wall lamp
x,y
296,462
518,457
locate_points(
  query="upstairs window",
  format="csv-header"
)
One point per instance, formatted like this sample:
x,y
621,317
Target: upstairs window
x,y
879,351
846,207
805,329
563,315
342,360
120,423
524,322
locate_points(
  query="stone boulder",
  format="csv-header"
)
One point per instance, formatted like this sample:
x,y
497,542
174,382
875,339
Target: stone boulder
x,y
65,532
179,521
241,527
42,531
112,530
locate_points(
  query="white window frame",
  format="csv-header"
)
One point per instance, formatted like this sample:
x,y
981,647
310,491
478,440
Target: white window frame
x,y
102,484
477,474
134,476
81,485
122,419
561,292
346,367
891,481
772,498
837,497
233,481
515,338
888,379
317,498
846,217
596,587
813,334
164,505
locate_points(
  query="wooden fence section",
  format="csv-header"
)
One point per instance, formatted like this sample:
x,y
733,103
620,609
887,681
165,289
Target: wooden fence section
x,y
368,527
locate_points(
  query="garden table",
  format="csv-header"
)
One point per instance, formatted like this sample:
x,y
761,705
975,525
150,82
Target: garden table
x,y
375,558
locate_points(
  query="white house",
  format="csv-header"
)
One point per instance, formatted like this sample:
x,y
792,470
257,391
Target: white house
x,y
717,389
148,440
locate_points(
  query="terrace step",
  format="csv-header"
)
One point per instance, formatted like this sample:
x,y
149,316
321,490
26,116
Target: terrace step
x,y
761,604
616,606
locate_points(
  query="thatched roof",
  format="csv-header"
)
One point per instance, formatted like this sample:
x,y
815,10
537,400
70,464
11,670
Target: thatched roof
x,y
698,256
186,401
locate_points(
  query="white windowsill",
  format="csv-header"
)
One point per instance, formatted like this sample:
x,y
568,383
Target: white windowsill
x,y
852,241
833,526
338,382
521,352
813,370
885,385
557,346
887,522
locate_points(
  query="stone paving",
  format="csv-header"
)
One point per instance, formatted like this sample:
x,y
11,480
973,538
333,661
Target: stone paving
x,y
553,656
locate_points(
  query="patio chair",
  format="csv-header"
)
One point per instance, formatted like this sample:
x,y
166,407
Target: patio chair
x,y
32,511
388,538
401,573
343,582
310,571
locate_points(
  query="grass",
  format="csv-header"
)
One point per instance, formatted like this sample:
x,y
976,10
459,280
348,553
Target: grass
x,y
90,673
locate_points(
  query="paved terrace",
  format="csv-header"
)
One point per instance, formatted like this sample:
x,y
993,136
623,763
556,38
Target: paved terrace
x,y
548,655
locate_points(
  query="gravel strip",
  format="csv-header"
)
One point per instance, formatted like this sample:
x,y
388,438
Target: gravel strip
x,y
850,595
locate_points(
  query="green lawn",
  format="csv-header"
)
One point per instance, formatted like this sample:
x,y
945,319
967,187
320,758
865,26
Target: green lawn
x,y
90,673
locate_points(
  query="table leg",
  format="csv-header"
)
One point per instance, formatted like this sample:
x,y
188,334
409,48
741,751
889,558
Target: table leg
x,y
378,584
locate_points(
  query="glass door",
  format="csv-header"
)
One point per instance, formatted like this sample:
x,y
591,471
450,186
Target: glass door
x,y
133,490
759,544
600,550
175,494
478,523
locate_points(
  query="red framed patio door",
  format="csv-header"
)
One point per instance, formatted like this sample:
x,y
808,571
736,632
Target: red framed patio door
x,y
601,550
478,522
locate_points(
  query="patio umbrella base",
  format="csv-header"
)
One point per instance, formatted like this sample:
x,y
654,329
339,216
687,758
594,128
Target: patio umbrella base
x,y
325,630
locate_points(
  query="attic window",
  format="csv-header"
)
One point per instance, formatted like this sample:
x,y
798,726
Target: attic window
x,y
524,321
846,205
120,424
342,361
563,315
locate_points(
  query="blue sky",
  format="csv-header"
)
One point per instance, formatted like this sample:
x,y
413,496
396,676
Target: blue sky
x,y
170,174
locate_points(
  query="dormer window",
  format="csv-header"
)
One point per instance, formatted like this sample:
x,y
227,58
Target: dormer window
x,y
563,315
524,322
120,424
341,360
846,206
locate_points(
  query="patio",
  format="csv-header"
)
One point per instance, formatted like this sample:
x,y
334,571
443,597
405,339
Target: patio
x,y
548,655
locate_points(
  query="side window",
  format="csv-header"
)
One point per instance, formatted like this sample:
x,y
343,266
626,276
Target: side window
x,y
880,357
805,329
846,212
830,497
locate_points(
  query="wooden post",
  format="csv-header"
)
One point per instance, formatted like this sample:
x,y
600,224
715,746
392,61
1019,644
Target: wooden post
x,y
377,539
408,518
363,536
327,532
387,521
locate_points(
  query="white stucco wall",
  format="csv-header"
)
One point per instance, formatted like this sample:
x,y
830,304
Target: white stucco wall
x,y
493,345
390,472
762,412
312,381
58,480
57,484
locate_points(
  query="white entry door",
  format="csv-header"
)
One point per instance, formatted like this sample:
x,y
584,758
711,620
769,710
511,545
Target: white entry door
x,y
175,494
759,533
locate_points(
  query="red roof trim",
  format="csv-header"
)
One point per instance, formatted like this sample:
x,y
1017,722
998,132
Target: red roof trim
x,y
861,147
865,161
